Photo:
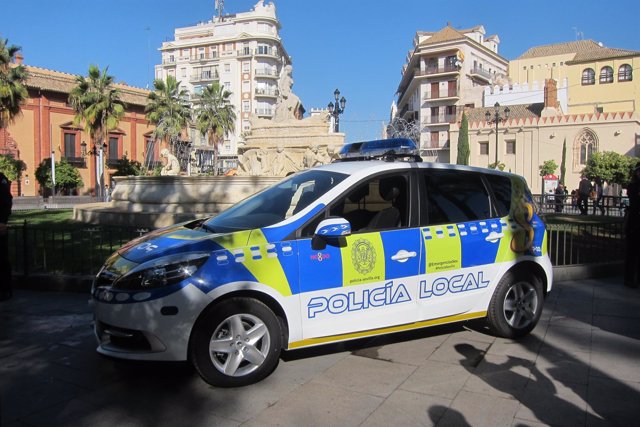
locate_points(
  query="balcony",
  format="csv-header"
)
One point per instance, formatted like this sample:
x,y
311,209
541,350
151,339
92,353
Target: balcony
x,y
204,77
265,112
169,61
267,92
78,162
437,71
203,57
270,52
440,119
244,52
451,94
481,74
266,73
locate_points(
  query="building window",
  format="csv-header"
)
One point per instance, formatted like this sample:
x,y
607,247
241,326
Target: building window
x,y
246,125
246,106
511,147
606,75
484,148
246,66
588,77
586,144
113,148
625,73
69,144
227,68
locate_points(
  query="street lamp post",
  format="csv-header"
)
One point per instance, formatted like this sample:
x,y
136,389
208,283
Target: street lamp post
x,y
337,109
98,152
497,119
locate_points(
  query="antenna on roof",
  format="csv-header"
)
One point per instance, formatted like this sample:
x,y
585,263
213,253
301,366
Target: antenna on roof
x,y
219,7
579,34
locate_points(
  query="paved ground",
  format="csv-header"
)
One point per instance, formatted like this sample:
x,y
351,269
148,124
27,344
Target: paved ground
x,y
580,367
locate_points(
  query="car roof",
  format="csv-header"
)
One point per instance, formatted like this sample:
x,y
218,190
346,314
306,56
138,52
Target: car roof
x,y
367,167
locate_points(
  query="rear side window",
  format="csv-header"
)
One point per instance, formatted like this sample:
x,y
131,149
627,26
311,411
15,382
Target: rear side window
x,y
454,196
501,187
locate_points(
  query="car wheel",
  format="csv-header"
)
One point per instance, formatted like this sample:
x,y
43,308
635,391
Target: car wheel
x,y
236,342
516,306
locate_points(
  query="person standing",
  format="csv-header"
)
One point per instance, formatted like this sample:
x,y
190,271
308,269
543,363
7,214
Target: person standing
x,y
632,232
598,195
584,188
560,195
6,201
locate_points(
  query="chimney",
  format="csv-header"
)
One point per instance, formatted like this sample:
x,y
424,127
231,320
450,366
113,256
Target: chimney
x,y
19,58
550,93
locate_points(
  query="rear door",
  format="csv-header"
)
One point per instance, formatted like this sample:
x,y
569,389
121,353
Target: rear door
x,y
461,234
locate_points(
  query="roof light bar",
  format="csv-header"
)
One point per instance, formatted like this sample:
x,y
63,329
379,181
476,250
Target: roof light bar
x,y
384,149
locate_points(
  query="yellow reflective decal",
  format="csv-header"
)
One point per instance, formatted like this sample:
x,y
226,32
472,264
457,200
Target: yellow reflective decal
x,y
250,247
443,251
363,259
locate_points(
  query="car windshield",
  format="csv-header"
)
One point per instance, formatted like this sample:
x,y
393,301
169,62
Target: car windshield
x,y
276,203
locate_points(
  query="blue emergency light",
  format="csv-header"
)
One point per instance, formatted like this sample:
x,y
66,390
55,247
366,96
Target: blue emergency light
x,y
383,149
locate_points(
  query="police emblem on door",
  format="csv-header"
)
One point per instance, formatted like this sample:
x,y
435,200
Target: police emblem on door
x,y
363,256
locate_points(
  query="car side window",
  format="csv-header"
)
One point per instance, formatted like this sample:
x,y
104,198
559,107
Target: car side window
x,y
454,196
377,204
501,187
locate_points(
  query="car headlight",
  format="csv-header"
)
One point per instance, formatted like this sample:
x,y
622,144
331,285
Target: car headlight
x,y
163,271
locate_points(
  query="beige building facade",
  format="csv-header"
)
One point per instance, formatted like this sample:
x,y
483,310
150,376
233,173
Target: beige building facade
x,y
446,71
536,132
45,128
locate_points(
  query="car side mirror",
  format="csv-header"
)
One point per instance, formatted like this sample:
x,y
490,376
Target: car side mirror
x,y
331,231
333,227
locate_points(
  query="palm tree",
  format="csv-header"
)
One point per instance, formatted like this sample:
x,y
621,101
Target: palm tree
x,y
168,109
215,117
97,103
13,92
98,106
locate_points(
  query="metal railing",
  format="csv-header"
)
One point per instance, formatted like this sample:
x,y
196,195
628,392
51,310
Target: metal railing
x,y
69,250
580,244
609,205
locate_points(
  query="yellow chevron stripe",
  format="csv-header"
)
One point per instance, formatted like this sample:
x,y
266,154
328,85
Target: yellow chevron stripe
x,y
388,330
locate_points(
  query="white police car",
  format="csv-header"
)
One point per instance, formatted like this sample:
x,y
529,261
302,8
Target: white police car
x,y
341,251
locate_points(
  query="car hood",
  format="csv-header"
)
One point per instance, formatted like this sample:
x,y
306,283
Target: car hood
x,y
177,239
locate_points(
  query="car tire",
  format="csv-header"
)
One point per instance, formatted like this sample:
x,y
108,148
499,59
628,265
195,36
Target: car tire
x,y
516,306
236,342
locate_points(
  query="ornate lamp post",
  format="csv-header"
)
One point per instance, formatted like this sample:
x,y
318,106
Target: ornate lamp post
x,y
337,109
497,119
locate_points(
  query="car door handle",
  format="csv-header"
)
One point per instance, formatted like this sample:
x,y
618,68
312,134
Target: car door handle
x,y
403,256
494,237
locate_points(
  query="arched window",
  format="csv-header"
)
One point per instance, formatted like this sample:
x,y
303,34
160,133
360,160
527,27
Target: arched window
x,y
606,75
588,77
625,73
585,145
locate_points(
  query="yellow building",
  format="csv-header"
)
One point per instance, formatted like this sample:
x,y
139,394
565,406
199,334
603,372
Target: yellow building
x,y
600,79
45,126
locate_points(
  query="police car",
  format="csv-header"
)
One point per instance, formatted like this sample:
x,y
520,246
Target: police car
x,y
352,249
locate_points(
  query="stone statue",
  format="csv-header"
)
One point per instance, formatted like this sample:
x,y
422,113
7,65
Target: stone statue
x,y
172,167
250,163
312,157
282,163
288,103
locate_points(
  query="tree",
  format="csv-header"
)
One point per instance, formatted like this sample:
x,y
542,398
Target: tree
x,y
610,166
13,92
563,162
67,177
97,103
463,142
548,167
11,167
126,167
168,109
215,117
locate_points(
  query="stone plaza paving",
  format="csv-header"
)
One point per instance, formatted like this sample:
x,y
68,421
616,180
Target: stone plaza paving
x,y
580,367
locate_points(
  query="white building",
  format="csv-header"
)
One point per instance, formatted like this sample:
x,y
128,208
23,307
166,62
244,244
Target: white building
x,y
445,72
244,53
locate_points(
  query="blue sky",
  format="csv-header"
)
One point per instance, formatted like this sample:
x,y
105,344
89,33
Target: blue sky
x,y
357,46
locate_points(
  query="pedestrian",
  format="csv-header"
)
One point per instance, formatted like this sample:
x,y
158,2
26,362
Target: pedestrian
x,y
560,196
6,201
584,189
598,194
632,232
